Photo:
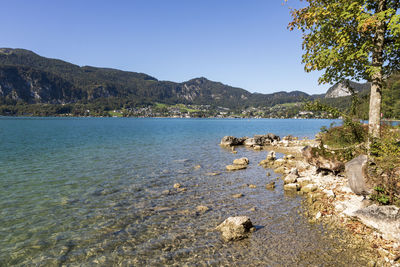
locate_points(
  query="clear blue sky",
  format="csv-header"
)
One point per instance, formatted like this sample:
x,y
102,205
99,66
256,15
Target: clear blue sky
x,y
240,43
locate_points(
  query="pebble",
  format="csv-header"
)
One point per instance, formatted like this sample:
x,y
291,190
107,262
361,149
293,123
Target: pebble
x,y
202,208
271,185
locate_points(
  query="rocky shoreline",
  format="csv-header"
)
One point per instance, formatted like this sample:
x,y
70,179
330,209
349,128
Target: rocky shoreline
x,y
328,196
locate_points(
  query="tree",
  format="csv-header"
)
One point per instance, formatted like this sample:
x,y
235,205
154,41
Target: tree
x,y
352,39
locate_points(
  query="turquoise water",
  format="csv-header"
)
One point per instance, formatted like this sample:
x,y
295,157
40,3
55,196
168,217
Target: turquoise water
x,y
99,191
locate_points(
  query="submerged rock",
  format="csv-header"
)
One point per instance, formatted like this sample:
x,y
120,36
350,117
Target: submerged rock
x,y
252,186
356,172
238,164
177,185
241,161
213,173
202,209
236,228
235,167
270,185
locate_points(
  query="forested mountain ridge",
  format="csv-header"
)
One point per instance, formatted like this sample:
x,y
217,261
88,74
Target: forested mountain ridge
x,y
29,82
29,78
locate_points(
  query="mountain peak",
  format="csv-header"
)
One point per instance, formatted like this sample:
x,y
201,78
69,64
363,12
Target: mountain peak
x,y
10,51
341,89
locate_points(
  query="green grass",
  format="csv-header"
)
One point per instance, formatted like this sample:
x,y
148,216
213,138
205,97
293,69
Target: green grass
x,y
287,105
115,114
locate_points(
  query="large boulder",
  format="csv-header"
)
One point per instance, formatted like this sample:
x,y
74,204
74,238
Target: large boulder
x,y
235,228
229,141
232,141
250,142
262,140
356,173
322,163
266,139
241,140
384,218
380,213
273,137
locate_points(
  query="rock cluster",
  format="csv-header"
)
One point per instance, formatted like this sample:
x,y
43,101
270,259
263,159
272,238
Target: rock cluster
x,y
292,180
257,141
236,228
279,165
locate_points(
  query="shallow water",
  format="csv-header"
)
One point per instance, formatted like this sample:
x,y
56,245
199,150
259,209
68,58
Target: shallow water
x,y
94,191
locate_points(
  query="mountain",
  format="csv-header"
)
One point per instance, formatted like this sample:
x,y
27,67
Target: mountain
x,y
26,77
343,89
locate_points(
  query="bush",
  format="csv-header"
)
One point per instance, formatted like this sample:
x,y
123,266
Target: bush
x,y
344,136
385,152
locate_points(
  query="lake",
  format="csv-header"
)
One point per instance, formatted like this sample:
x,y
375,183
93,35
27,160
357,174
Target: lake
x,y
99,192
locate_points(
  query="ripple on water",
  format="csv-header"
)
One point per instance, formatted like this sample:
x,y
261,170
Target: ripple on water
x,y
95,196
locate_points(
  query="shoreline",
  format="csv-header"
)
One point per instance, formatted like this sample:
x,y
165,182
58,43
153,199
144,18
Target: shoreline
x,y
155,117
330,201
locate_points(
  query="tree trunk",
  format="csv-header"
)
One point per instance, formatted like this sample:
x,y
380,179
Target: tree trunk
x,y
377,77
375,106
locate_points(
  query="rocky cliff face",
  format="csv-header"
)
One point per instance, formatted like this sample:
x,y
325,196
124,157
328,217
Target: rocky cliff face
x,y
32,86
342,89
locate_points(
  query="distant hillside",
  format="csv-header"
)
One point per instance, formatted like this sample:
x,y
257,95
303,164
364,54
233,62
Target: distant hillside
x,y
29,78
342,89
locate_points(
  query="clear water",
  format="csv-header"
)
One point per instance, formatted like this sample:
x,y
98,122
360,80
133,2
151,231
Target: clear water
x,y
92,192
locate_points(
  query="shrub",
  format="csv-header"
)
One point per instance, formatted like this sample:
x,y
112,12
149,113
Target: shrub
x,y
385,153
